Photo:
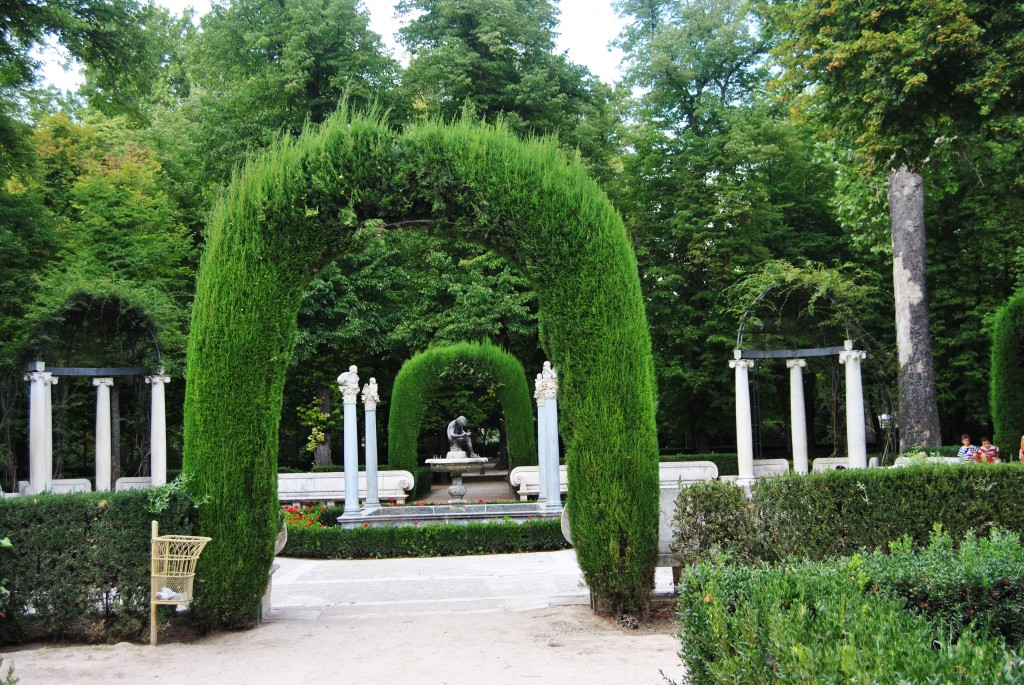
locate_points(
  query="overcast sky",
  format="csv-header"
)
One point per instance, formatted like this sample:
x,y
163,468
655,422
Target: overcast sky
x,y
587,26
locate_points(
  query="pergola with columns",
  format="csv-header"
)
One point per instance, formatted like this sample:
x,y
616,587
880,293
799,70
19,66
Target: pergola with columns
x,y
40,450
850,356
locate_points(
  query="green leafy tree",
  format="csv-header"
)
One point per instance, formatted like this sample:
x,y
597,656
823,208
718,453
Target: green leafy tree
x,y
895,80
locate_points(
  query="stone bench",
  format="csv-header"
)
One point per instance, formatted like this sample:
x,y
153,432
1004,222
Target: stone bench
x,y
329,487
58,486
764,468
133,483
829,464
527,480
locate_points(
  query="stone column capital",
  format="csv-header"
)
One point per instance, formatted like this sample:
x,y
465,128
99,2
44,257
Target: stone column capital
x,y
741,363
796,363
158,377
348,384
49,378
538,390
849,355
109,382
34,376
370,395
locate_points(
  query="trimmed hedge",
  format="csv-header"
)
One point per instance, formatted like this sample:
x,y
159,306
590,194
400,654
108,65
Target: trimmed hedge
x,y
1007,375
308,199
81,562
434,540
424,373
837,513
813,622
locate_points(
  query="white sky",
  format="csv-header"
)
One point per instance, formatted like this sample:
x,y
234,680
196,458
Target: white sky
x,y
587,26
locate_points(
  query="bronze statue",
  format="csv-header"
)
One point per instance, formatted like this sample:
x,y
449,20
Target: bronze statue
x,y
459,438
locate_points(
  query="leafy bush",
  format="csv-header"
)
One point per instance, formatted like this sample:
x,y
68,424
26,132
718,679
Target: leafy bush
x,y
837,513
814,623
81,562
434,540
326,468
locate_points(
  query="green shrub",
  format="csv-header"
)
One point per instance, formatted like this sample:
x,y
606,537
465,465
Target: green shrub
x,y
1006,375
434,540
837,513
813,623
81,562
427,371
326,468
981,582
296,207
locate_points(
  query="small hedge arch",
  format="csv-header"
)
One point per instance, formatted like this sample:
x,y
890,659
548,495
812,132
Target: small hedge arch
x,y
309,199
422,375
1007,374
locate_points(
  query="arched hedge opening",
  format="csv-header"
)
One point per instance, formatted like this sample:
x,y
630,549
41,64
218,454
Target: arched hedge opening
x,y
1007,374
423,375
306,201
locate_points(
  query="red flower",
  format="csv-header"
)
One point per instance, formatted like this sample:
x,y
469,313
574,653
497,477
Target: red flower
x,y
366,525
415,523
479,501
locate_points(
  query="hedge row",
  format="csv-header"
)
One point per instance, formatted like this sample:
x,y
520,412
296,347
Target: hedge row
x,y
81,563
428,371
814,622
838,513
434,540
1007,374
308,199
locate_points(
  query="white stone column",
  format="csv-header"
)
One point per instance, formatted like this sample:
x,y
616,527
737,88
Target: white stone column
x,y
49,380
797,413
348,383
744,428
550,382
103,454
370,400
542,442
158,429
37,427
856,442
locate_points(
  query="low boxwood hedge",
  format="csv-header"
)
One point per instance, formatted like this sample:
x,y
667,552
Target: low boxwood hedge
x,y
434,540
813,622
80,562
837,513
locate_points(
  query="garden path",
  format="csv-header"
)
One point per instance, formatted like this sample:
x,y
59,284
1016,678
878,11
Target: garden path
x,y
492,619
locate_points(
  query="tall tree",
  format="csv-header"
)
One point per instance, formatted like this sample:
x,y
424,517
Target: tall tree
x,y
893,80
718,182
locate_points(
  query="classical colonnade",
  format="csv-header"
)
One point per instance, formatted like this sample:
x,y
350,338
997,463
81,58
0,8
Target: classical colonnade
x,y
40,408
856,440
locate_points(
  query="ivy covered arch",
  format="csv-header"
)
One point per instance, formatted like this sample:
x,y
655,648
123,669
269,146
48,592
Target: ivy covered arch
x,y
423,374
308,200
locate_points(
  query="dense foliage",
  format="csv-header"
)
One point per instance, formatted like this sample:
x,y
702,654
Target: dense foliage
x,y
432,369
851,621
434,540
838,513
81,562
1007,374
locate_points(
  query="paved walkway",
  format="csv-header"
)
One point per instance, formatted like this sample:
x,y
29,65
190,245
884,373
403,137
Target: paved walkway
x,y
482,619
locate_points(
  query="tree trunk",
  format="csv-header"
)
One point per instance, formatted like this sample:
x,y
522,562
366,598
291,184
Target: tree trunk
x,y
322,456
115,434
918,407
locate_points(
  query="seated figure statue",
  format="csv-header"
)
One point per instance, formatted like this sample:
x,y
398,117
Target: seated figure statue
x,y
459,438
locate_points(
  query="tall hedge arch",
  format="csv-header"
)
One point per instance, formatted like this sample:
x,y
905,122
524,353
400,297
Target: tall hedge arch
x,y
300,205
1007,374
423,374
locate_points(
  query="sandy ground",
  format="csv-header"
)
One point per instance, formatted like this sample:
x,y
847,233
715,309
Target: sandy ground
x,y
486,619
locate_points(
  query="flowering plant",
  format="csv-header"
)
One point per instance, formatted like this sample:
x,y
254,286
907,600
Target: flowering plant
x,y
298,516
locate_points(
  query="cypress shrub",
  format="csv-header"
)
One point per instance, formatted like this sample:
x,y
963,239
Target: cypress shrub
x,y
424,374
1006,379
434,540
81,562
307,200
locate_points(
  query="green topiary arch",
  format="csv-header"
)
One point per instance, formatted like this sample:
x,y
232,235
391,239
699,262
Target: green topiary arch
x,y
1007,374
423,374
308,200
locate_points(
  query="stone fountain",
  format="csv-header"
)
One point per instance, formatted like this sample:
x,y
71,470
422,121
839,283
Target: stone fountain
x,y
459,461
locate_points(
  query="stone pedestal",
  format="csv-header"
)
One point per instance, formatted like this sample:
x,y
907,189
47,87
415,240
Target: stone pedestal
x,y
457,464
549,379
348,383
103,433
744,428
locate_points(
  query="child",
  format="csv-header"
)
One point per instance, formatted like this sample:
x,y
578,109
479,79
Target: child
x,y
988,452
968,451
